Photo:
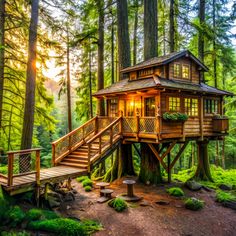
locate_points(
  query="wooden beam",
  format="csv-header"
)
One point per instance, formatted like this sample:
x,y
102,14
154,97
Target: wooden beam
x,y
168,149
155,152
178,154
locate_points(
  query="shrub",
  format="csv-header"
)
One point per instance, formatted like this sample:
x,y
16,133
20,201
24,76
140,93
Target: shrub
x,y
82,178
39,214
87,182
118,204
66,227
222,196
88,188
11,233
175,191
14,216
175,116
194,204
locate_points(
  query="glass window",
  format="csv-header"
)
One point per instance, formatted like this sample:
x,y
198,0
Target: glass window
x,y
191,106
149,104
130,108
176,70
185,71
113,107
174,104
211,106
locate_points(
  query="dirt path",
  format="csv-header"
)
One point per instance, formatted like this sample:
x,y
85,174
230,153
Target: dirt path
x,y
153,219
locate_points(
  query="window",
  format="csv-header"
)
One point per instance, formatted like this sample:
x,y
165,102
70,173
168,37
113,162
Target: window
x,y
176,70
145,72
185,71
191,106
113,107
149,104
174,104
211,106
130,108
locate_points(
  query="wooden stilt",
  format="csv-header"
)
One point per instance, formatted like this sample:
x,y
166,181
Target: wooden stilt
x,y
69,184
168,167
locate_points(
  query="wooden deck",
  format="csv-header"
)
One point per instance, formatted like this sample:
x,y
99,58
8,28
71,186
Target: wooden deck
x,y
55,174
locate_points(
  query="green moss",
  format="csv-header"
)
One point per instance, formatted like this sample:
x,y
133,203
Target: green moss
x,y
66,227
12,233
87,182
82,178
14,216
194,204
88,188
175,191
222,196
118,204
39,214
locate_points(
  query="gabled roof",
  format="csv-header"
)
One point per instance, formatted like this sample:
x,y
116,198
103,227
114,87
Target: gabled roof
x,y
162,60
158,82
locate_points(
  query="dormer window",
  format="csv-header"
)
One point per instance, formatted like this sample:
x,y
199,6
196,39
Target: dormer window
x,y
176,70
185,71
145,72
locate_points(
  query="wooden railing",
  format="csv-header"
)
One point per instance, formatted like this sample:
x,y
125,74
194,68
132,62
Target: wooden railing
x,y
23,163
66,144
104,140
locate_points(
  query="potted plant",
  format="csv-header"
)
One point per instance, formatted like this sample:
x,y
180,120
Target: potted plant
x,y
175,116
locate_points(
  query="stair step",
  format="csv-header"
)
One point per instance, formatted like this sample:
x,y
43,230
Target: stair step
x,y
72,156
77,161
79,153
82,166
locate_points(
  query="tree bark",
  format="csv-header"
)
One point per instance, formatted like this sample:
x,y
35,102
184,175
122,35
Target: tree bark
x,y
2,51
172,27
201,15
150,172
90,84
123,34
100,102
203,169
150,29
135,32
28,124
214,44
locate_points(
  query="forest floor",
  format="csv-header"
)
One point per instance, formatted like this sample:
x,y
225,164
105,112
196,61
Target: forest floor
x,y
148,218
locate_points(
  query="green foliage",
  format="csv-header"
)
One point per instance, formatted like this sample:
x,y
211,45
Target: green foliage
x,y
118,204
14,216
175,191
194,204
82,178
184,175
87,182
88,188
12,233
66,227
176,116
39,214
222,196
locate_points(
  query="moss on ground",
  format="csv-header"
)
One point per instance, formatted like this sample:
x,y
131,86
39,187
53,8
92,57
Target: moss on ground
x,y
222,196
14,233
87,182
39,214
194,204
175,191
82,178
118,204
66,227
14,216
88,188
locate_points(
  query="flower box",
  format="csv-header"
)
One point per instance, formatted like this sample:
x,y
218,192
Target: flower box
x,y
220,124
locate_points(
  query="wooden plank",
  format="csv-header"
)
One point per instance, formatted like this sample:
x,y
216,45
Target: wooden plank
x,y
155,152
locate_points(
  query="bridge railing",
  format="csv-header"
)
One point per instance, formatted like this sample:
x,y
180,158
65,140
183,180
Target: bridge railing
x,y
23,163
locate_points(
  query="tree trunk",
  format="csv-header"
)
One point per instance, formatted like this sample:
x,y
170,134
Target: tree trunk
x,y
201,15
150,29
90,84
135,32
100,102
150,172
28,125
203,169
223,154
172,27
112,50
68,84
214,44
2,50
123,34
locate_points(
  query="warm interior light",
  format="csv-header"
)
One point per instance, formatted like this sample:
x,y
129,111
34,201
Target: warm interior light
x,y
132,103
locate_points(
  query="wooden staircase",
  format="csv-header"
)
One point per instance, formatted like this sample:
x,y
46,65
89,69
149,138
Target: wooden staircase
x,y
85,146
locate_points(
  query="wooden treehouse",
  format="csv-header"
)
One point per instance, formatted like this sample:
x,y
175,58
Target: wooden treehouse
x,y
161,102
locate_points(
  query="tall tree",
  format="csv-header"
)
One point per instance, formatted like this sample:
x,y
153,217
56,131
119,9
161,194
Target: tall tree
x,y
123,34
136,6
2,50
28,125
172,27
150,29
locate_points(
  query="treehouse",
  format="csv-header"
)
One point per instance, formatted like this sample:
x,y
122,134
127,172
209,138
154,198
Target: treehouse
x,y
164,98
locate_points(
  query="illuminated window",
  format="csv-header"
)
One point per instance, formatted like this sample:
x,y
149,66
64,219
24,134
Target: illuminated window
x,y
113,107
176,70
174,104
130,108
185,71
191,106
211,106
149,104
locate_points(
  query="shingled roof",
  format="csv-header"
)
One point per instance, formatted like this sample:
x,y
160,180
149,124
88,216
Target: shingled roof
x,y
157,82
162,60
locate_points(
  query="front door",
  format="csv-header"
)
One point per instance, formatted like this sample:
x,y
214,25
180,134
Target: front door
x,y
149,106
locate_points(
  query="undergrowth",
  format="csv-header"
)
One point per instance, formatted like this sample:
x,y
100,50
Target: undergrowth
x,y
118,204
82,178
175,191
88,188
194,204
222,196
87,182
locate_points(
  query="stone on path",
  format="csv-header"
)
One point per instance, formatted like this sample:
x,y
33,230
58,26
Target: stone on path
x,y
193,185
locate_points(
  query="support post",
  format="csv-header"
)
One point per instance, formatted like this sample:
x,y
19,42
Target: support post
x,y
53,154
89,156
168,167
10,169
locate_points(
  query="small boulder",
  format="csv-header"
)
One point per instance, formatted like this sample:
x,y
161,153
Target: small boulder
x,y
207,189
230,204
193,185
53,202
69,197
225,187
162,202
144,203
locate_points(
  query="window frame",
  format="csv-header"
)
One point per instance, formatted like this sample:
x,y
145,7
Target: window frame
x,y
191,106
168,103
187,66
211,99
110,109
179,75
